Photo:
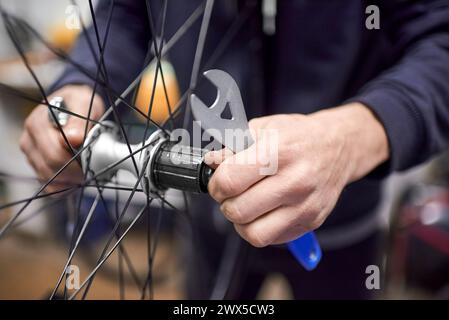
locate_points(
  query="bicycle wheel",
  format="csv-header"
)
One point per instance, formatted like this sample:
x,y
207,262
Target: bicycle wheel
x,y
130,207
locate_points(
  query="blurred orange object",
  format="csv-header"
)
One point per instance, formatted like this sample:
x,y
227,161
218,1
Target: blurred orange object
x,y
62,37
160,110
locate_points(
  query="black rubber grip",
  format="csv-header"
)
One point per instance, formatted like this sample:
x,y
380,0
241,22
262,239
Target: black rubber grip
x,y
181,167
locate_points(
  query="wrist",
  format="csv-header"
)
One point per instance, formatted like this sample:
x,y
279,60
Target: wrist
x,y
363,138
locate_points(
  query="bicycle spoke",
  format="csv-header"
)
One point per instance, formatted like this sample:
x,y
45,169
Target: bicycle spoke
x,y
99,64
16,93
158,58
121,279
121,249
37,193
198,55
116,226
100,71
117,188
78,240
19,49
152,246
101,47
42,196
119,98
37,212
42,188
108,254
218,51
158,52
96,36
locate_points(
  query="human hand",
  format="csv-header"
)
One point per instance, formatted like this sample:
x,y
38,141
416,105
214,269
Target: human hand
x,y
318,155
44,145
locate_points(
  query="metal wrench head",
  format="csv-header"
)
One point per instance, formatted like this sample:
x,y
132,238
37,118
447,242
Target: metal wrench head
x,y
232,133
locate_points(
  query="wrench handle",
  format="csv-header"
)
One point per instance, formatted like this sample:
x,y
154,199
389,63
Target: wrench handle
x,y
306,250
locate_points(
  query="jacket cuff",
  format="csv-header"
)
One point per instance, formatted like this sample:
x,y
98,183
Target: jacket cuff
x,y
403,125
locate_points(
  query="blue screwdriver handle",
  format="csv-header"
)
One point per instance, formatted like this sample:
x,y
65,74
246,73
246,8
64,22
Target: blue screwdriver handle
x,y
306,250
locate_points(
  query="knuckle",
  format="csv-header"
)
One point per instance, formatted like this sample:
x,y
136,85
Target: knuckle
x,y
233,212
31,163
306,183
313,225
23,143
41,171
256,237
294,187
310,217
28,124
312,220
53,160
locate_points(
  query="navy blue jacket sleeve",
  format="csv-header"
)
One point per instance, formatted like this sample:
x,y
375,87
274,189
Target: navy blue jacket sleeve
x,y
124,52
411,99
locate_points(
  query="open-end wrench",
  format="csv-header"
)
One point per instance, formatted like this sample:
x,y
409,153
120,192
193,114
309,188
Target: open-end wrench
x,y
305,249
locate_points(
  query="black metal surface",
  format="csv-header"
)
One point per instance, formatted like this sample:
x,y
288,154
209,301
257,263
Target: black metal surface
x,y
181,167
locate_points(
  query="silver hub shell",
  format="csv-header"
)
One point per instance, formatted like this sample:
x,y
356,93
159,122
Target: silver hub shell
x,y
104,151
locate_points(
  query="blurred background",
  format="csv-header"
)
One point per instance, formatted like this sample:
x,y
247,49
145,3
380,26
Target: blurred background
x,y
414,215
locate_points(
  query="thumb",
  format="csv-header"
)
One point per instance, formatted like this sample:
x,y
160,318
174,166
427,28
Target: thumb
x,y
214,158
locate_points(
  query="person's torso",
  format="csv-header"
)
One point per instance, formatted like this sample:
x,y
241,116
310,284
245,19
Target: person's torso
x,y
320,55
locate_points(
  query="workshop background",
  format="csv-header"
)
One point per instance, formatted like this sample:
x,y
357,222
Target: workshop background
x,y
414,214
